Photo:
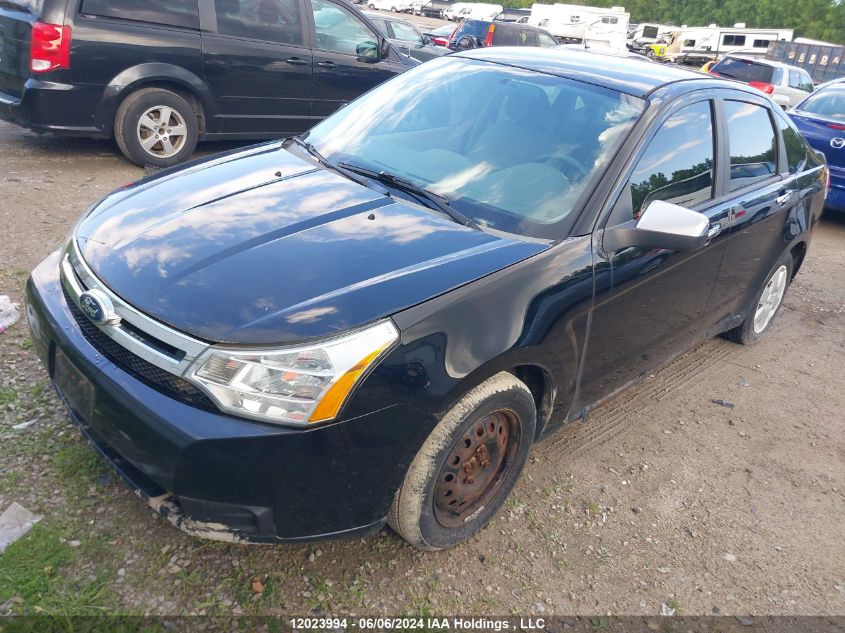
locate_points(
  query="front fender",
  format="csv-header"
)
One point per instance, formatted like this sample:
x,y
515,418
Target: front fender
x,y
533,313
140,75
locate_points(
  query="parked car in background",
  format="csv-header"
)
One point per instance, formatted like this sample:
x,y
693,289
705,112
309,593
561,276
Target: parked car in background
x,y
406,38
509,14
457,11
440,35
786,84
160,76
434,8
479,33
209,335
396,6
821,120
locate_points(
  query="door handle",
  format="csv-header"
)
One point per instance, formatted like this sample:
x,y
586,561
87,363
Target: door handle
x,y
715,229
783,198
297,61
327,64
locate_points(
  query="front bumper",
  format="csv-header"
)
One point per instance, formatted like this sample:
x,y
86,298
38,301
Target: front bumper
x,y
223,477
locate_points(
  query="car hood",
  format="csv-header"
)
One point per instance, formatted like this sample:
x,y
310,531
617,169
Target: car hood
x,y
262,247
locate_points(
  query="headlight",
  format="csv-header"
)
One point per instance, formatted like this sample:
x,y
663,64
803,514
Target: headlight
x,y
298,385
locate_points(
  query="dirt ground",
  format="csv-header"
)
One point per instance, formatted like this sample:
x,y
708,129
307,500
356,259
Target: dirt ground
x,y
661,498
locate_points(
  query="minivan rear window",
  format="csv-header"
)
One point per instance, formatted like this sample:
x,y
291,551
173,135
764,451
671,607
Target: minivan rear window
x,y
30,6
744,70
184,13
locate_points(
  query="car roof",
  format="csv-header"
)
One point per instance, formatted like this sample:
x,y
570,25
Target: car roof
x,y
632,76
508,25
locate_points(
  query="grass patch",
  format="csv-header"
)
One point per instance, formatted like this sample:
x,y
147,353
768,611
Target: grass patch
x,y
36,570
7,396
78,467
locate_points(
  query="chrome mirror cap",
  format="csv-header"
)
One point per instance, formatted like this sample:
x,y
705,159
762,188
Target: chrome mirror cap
x,y
665,217
662,225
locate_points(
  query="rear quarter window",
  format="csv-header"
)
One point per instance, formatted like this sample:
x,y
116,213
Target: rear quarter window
x,y
183,13
796,148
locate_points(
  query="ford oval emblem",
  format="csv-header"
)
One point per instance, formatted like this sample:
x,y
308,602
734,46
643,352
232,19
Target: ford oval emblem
x,y
96,305
837,143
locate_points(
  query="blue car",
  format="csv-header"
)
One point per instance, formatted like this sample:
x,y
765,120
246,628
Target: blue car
x,y
821,119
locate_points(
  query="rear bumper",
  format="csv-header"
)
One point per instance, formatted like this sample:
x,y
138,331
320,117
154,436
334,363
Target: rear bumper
x,y
218,476
835,200
60,108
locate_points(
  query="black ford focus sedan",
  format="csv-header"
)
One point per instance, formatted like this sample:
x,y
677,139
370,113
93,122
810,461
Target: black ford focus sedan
x,y
375,322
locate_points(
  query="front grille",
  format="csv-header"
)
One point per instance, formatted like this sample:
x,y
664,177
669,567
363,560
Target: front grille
x,y
146,372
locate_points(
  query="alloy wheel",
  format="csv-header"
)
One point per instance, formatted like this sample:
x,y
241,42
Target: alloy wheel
x,y
162,131
770,299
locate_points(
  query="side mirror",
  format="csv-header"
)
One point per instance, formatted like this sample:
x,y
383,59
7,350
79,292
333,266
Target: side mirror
x,y
426,40
367,51
662,225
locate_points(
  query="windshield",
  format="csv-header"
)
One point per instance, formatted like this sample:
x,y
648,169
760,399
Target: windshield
x,y
744,70
829,102
509,148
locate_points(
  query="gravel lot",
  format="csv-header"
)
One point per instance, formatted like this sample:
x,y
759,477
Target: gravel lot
x,y
661,497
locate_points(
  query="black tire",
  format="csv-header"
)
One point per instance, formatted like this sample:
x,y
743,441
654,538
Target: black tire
x,y
128,120
494,422
750,331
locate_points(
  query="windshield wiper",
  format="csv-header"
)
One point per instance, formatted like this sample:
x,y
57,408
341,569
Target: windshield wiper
x,y
325,162
421,193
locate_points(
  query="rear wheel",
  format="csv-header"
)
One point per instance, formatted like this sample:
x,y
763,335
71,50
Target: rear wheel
x,y
467,466
156,127
761,313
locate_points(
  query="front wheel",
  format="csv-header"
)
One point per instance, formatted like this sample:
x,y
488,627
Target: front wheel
x,y
156,127
767,302
468,465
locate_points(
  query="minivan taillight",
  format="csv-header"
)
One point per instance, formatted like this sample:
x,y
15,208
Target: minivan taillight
x,y
49,48
762,86
836,126
488,41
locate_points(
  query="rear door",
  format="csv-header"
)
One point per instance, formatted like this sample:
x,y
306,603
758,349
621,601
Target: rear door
x,y
762,194
258,62
348,58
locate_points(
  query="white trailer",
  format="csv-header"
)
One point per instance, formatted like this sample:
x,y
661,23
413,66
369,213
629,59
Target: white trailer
x,y
599,27
703,44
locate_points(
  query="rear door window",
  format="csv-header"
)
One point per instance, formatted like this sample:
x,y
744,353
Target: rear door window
x,y
752,143
277,21
527,38
677,165
339,30
744,70
546,41
184,13
406,33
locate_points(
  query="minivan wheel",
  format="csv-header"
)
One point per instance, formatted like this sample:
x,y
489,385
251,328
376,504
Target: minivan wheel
x,y
156,127
761,313
467,466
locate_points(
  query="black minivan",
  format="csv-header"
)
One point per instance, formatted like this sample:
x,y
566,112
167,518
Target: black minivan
x,y
160,75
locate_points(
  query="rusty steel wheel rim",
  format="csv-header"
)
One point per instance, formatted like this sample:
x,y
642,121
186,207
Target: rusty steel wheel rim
x,y
478,464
